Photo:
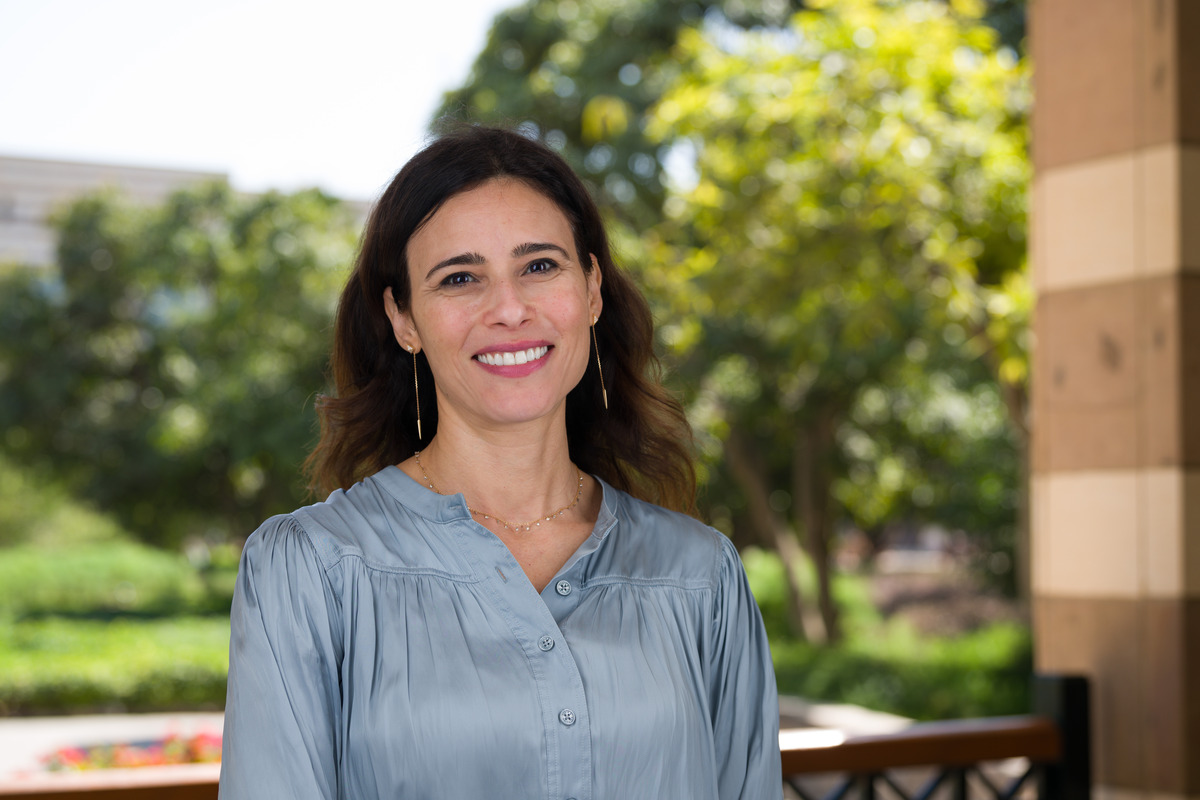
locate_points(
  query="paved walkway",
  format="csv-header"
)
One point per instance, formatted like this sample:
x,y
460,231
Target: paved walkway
x,y
25,741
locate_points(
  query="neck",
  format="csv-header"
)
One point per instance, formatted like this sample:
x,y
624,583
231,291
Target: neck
x,y
517,475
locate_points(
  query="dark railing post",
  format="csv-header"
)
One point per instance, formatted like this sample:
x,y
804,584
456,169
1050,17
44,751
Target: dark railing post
x,y
1064,698
958,784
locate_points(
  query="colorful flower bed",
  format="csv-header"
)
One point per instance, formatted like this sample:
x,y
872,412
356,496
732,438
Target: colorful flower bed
x,y
202,748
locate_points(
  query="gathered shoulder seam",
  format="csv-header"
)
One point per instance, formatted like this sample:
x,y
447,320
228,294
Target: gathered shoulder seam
x,y
335,553
693,585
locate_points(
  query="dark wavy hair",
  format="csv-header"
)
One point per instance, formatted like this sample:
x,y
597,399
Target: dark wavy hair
x,y
641,443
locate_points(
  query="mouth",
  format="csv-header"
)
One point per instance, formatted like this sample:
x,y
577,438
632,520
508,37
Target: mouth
x,y
512,358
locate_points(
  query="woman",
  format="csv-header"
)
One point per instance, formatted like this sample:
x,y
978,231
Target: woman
x,y
483,607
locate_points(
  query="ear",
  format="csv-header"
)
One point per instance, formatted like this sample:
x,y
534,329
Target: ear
x,y
594,279
402,325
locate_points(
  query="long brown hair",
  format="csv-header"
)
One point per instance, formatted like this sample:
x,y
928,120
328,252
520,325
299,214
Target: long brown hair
x,y
640,443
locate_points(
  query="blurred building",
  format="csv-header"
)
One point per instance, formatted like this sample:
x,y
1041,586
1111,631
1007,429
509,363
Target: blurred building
x,y
32,189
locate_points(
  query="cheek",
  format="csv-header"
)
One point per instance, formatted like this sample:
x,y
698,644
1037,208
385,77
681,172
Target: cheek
x,y
569,310
445,324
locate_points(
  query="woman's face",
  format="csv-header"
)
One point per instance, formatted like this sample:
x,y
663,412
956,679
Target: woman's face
x,y
501,305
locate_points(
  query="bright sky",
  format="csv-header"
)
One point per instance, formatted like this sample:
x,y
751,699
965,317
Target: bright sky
x,y
276,93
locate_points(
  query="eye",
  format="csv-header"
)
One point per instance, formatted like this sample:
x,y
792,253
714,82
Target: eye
x,y
457,279
541,266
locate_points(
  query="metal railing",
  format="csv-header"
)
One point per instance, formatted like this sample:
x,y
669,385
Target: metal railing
x,y
952,759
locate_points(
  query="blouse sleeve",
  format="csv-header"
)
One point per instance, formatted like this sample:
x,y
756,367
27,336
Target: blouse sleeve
x,y
742,692
283,702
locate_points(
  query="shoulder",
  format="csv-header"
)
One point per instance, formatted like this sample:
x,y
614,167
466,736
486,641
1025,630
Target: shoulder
x,y
653,543
329,530
365,523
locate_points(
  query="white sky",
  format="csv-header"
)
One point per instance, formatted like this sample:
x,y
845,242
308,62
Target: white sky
x,y
275,93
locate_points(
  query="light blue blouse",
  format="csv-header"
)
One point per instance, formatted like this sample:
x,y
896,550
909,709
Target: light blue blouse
x,y
387,646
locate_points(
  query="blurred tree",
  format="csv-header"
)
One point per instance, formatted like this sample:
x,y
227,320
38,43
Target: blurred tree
x,y
873,238
931,443
165,368
584,75
849,196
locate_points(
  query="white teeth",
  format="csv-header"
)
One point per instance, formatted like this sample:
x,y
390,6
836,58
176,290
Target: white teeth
x,y
513,358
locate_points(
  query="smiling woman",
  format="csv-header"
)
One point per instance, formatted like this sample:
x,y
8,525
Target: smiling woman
x,y
490,603
639,445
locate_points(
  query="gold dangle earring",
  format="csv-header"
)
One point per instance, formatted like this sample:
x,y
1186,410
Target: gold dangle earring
x,y
603,391
416,390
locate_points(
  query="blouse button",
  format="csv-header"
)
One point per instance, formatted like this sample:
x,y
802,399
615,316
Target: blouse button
x,y
563,588
546,643
566,717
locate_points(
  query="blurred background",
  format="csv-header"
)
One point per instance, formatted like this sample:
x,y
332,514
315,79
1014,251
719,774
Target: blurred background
x,y
824,201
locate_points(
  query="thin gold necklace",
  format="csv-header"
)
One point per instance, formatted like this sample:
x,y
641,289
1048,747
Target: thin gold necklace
x,y
537,523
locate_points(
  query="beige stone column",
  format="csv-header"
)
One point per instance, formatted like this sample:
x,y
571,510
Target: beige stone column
x,y
1116,381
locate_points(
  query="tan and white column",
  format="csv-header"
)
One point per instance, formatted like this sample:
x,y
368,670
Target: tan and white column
x,y
1116,379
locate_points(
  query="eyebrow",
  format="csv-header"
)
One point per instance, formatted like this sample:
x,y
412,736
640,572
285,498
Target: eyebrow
x,y
537,247
475,259
463,259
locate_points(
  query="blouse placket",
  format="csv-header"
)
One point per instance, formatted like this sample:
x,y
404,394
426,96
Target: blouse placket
x,y
534,620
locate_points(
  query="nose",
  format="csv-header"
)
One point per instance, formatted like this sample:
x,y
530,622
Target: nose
x,y
506,304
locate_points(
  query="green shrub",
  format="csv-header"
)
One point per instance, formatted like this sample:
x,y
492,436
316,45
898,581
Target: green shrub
x,y
92,621
34,510
885,664
982,674
97,579
54,666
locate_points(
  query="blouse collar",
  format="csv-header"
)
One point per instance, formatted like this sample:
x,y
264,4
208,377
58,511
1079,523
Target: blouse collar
x,y
453,507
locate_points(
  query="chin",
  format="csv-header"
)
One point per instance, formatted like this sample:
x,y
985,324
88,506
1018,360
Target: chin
x,y
519,416
521,410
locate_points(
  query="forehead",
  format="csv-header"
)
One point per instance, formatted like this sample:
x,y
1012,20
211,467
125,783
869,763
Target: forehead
x,y
498,214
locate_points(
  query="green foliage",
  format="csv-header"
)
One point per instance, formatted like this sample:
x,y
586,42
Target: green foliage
x,y
105,579
34,508
59,557
936,444
108,624
162,369
850,175
53,666
841,261
585,75
886,665
984,674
